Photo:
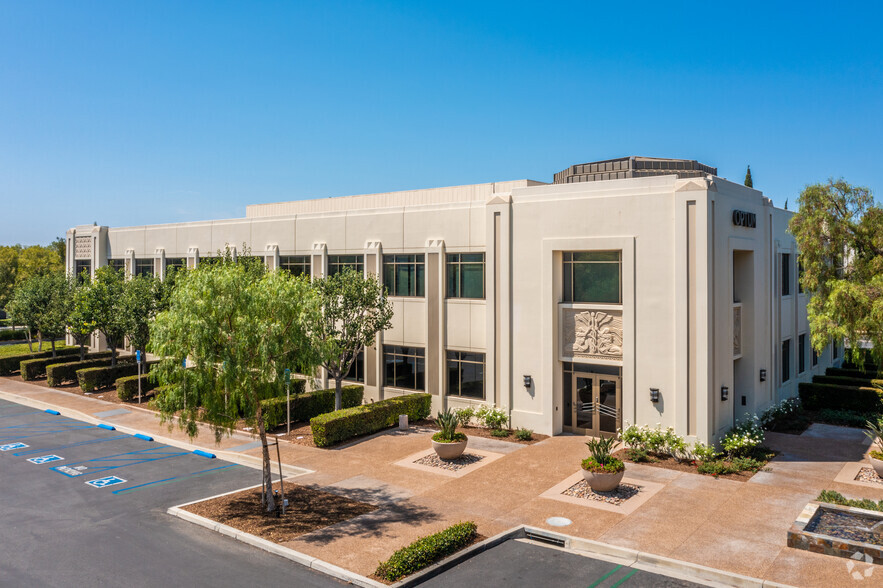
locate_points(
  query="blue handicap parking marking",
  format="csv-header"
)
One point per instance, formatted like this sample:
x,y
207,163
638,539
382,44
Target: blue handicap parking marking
x,y
104,482
120,460
45,459
11,446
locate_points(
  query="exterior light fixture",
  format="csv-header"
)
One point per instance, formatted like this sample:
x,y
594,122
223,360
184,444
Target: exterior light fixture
x,y
725,392
526,381
654,394
763,375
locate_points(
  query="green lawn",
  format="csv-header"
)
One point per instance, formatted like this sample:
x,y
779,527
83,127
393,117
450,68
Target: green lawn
x,y
19,348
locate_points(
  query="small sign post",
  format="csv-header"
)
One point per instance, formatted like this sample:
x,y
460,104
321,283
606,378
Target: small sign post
x,y
184,365
138,361
288,399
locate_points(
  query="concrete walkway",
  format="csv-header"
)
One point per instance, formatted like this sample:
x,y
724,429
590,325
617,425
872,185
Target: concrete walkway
x,y
738,527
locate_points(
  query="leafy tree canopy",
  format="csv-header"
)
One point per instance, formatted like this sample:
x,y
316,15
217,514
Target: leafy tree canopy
x,y
354,309
104,304
239,327
839,231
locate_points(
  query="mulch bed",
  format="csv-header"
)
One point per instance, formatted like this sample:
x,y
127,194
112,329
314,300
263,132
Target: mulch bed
x,y
667,462
308,510
487,434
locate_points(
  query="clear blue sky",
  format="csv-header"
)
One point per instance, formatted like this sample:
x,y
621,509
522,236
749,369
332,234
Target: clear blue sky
x,y
200,108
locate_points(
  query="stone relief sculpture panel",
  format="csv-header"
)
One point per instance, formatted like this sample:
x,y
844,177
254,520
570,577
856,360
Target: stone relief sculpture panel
x,y
83,247
592,334
737,331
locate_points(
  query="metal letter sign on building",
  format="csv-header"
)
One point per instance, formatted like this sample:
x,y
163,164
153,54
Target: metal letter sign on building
x,y
742,218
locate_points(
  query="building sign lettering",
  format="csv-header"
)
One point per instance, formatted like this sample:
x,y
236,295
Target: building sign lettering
x,y
742,218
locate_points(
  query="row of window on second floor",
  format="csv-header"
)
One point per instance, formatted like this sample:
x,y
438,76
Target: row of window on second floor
x,y
803,346
786,275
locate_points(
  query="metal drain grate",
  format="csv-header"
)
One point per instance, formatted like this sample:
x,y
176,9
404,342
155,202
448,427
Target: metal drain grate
x,y
543,538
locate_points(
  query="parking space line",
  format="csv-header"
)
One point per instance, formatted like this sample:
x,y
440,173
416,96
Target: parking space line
x,y
89,442
6,416
623,579
604,577
42,431
173,479
153,454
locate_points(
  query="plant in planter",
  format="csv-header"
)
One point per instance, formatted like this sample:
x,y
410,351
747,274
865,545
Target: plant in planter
x,y
874,431
448,443
602,471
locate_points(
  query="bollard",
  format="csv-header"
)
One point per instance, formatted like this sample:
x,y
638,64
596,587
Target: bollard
x,y
403,422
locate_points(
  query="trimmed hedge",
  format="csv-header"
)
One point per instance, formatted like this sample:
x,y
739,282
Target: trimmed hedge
x,y
819,396
846,381
61,373
845,373
31,369
426,551
341,425
127,387
10,335
306,405
11,364
104,376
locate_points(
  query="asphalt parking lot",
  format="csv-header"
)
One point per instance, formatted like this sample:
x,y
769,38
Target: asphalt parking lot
x,y
82,505
521,563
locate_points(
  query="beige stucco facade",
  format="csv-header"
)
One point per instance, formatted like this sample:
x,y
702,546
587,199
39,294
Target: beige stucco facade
x,y
701,307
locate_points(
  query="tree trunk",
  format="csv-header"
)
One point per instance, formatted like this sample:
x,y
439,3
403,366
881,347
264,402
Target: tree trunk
x,y
265,450
40,341
338,393
53,349
113,354
82,351
30,342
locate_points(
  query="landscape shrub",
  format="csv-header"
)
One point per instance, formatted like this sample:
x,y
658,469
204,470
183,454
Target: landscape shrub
x,y
127,387
853,373
644,440
61,373
861,399
104,376
306,405
492,418
13,335
867,382
779,413
5,322
524,434
703,452
340,425
12,363
464,415
501,432
832,497
746,436
31,369
426,551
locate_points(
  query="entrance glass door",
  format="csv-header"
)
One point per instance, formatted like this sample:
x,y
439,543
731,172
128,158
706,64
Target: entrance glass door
x,y
597,404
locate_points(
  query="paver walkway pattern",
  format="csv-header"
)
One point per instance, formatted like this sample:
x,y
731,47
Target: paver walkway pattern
x,y
734,526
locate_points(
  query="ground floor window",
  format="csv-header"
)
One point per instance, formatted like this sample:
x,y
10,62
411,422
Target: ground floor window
x,y
835,350
801,354
357,370
296,265
175,263
786,360
815,357
466,374
404,367
83,265
337,263
117,264
143,267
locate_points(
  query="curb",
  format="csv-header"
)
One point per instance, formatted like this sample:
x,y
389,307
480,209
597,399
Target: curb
x,y
653,563
289,471
289,554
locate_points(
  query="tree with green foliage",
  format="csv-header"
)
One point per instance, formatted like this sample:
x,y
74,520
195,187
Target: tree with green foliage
x,y
8,269
104,303
240,327
839,232
80,320
748,181
59,245
18,264
41,304
143,297
354,309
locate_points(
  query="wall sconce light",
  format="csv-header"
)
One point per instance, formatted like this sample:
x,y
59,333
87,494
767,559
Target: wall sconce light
x,y
725,392
526,381
763,375
654,394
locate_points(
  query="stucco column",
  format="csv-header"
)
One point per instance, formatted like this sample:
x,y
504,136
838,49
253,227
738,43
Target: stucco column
x,y
159,263
435,319
271,257
373,357
193,257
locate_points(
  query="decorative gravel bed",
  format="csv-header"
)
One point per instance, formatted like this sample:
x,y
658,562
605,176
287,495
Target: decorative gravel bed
x,y
433,460
622,493
868,475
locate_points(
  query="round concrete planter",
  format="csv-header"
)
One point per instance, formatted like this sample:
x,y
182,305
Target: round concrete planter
x,y
603,482
449,450
877,464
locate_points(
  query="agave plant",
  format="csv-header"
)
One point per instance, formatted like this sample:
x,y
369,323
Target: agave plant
x,y
599,449
448,422
874,431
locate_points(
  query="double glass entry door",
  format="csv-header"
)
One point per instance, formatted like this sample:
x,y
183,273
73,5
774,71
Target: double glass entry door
x,y
597,404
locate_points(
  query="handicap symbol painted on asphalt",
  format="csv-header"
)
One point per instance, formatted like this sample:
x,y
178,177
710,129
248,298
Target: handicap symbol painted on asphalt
x,y
72,472
104,482
11,446
45,459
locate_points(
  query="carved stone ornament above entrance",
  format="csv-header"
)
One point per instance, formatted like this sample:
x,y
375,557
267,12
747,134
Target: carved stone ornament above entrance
x,y
592,334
